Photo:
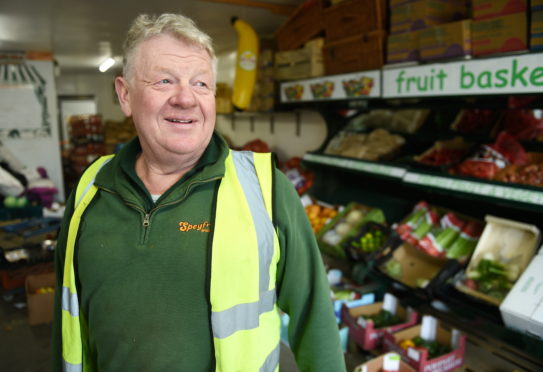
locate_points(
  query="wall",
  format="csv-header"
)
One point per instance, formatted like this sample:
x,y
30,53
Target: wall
x,y
284,140
97,84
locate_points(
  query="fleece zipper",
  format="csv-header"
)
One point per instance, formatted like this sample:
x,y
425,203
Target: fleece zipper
x,y
146,215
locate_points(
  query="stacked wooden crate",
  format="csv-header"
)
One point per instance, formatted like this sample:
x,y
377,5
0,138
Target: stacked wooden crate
x,y
355,36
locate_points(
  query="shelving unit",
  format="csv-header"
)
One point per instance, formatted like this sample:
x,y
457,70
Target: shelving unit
x,y
395,186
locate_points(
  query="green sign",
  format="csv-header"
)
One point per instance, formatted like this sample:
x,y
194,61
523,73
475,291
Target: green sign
x,y
505,75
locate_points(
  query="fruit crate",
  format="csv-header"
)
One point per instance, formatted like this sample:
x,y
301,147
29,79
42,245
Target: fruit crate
x,y
368,242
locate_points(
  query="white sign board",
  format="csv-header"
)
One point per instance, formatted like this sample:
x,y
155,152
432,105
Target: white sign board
x,y
360,85
505,75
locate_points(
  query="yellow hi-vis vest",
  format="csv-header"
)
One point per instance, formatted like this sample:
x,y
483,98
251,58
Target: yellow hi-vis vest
x,y
245,251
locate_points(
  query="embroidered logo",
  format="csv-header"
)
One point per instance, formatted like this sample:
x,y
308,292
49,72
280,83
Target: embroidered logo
x,y
202,227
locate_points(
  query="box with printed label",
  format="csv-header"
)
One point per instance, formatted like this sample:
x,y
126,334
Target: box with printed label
x,y
419,357
522,309
420,14
365,332
445,41
403,47
378,365
499,35
536,30
483,9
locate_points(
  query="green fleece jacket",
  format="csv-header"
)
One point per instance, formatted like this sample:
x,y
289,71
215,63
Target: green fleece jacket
x,y
144,283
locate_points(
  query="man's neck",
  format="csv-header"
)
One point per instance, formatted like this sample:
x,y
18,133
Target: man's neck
x,y
158,177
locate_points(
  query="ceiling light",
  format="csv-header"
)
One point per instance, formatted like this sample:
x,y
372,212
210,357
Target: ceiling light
x,y
106,64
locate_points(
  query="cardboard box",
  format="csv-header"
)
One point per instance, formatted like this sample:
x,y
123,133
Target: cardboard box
x,y
418,357
40,305
354,17
522,309
376,365
536,5
483,9
499,35
419,14
510,242
536,30
365,335
302,63
416,268
356,53
448,40
403,47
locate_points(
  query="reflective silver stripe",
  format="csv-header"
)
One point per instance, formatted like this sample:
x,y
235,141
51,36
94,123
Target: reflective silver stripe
x,y
242,316
246,316
89,185
248,179
70,302
68,367
272,361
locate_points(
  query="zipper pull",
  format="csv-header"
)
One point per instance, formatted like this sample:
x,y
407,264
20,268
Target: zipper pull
x,y
146,220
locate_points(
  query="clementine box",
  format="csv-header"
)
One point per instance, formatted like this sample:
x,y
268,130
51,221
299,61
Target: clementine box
x,y
500,34
448,40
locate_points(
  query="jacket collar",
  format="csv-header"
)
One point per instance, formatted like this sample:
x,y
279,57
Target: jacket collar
x,y
119,175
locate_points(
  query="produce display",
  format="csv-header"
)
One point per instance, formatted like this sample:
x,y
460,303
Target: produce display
x,y
377,145
476,121
434,348
490,158
440,233
301,178
383,318
346,224
319,215
402,121
444,153
492,277
370,239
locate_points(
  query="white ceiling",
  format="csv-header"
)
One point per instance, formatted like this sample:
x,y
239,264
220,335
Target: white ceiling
x,y
82,33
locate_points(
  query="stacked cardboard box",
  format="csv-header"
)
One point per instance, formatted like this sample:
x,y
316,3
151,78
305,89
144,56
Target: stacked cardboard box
x,y
427,30
264,93
300,63
536,28
86,140
117,133
499,26
355,35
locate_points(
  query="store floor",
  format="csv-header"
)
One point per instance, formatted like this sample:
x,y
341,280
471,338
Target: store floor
x,y
25,348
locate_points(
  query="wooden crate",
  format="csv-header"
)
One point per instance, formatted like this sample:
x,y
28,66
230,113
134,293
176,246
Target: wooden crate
x,y
356,53
354,17
305,24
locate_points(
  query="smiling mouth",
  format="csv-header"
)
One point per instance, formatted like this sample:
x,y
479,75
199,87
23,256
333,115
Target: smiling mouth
x,y
180,121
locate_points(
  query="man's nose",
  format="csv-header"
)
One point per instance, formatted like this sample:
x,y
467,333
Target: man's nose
x,y
183,96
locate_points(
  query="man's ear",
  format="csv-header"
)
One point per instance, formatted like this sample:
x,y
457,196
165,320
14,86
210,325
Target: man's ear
x,y
121,87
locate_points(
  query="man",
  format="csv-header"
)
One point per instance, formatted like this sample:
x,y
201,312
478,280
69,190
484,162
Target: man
x,y
176,254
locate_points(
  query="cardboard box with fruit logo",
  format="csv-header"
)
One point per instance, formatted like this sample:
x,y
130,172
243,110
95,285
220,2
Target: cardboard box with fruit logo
x,y
367,324
345,224
428,346
40,296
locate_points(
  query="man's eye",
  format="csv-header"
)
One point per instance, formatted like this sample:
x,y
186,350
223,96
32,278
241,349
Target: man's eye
x,y
201,84
164,81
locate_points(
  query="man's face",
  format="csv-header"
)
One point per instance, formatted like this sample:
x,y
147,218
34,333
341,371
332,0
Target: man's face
x,y
170,96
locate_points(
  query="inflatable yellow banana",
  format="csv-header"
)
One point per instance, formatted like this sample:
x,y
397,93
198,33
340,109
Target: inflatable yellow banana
x,y
246,64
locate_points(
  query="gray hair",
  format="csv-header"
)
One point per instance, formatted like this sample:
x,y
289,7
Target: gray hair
x,y
145,27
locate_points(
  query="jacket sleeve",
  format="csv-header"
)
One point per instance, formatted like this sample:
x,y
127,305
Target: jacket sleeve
x,y
60,250
302,285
